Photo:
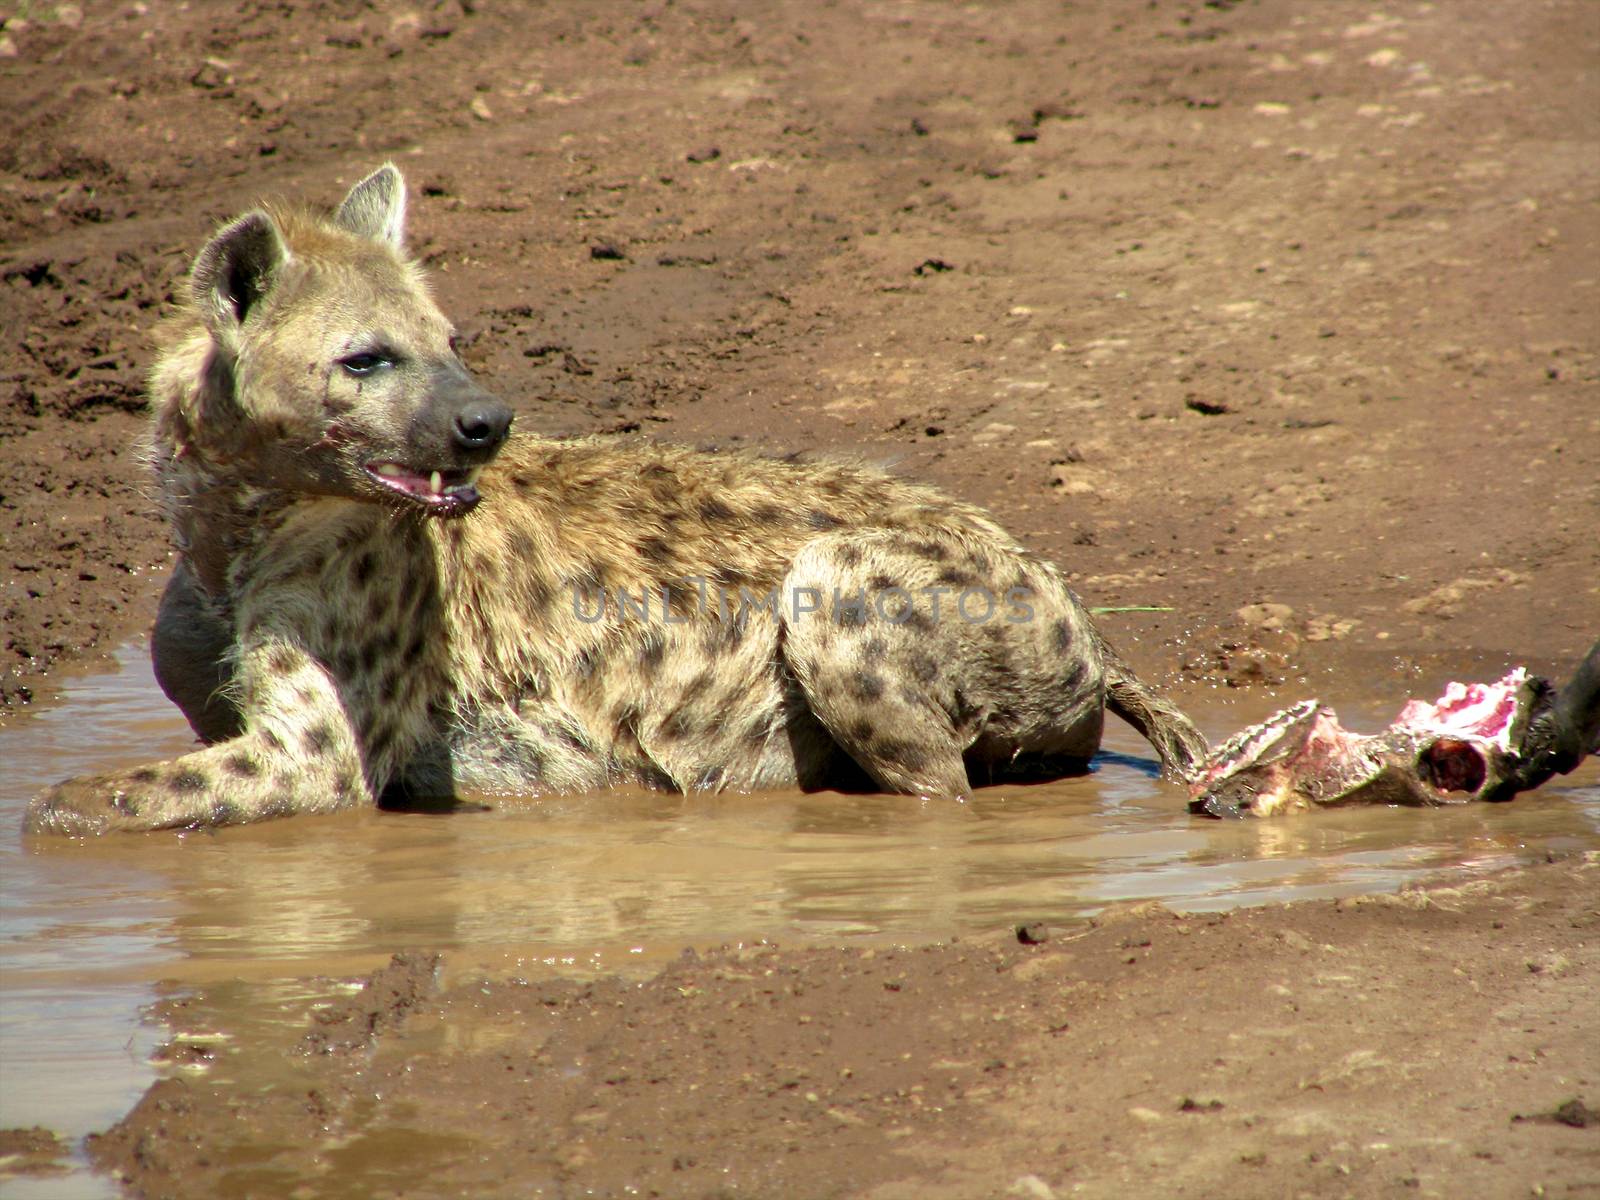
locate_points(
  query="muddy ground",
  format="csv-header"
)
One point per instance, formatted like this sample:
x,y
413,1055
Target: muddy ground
x,y
1279,317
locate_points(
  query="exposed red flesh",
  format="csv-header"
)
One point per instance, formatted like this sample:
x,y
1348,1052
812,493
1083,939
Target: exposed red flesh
x,y
1302,756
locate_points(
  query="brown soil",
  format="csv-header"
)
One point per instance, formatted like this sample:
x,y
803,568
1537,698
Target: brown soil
x,y
1280,316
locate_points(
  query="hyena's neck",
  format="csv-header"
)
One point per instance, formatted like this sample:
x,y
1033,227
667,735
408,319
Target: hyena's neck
x,y
212,513
214,520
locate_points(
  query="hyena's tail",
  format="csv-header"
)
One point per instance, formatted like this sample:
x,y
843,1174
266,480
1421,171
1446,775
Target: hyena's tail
x,y
1181,747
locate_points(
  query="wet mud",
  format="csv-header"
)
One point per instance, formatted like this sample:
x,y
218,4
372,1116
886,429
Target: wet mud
x,y
1275,322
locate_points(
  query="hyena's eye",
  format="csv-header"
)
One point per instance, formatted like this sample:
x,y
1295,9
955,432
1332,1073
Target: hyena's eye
x,y
365,364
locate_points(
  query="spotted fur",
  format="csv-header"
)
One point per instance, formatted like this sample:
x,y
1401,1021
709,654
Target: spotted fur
x,y
610,611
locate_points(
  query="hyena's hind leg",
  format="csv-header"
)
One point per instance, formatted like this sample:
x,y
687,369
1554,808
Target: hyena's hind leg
x,y
938,655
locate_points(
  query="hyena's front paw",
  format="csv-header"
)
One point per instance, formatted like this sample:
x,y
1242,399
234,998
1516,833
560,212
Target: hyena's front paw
x,y
94,805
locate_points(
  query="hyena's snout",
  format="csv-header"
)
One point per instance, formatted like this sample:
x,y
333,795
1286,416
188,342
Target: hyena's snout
x,y
479,426
452,435
476,422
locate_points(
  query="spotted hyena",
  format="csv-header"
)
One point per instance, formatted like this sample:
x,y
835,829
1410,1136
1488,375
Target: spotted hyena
x,y
378,590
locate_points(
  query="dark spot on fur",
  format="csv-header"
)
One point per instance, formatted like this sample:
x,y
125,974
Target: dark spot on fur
x,y
190,780
537,589
850,615
418,643
958,577
126,804
677,726
282,660
226,812
918,620
979,562
875,648
769,514
698,687
709,779
1074,677
882,581
273,741
394,687
589,581
723,636
385,643
924,668
908,756
317,739
655,549
366,564
818,519
652,651
378,739
242,765
850,556
866,686
934,551
378,606
713,509
1061,635
729,578
145,775
519,545
863,731
682,599
585,662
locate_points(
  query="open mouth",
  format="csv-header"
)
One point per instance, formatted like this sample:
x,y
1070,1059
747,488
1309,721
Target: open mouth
x,y
443,492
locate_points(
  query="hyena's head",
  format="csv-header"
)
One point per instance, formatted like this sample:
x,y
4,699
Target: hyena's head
x,y
323,365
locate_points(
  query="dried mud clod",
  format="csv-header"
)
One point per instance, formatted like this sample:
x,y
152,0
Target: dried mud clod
x,y
36,1151
383,1002
1573,1113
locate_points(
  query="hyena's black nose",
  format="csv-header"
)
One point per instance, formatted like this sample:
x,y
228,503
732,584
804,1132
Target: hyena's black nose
x,y
481,425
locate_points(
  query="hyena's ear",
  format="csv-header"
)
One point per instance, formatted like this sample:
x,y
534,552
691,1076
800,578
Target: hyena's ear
x,y
235,270
376,207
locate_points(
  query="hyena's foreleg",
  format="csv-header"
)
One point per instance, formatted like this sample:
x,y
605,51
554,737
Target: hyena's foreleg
x,y
191,649
298,753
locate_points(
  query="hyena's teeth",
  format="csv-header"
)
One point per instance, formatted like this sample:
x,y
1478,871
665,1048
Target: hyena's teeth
x,y
472,475
436,481
392,470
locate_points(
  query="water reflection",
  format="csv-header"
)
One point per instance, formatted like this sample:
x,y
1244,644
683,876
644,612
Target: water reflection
x,y
609,881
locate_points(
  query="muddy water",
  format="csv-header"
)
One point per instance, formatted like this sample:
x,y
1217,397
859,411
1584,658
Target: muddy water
x,y
92,933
